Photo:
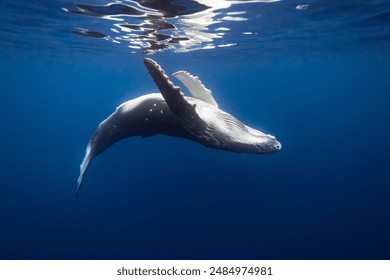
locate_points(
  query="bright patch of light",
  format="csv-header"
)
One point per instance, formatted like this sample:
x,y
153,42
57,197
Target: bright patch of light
x,y
302,7
229,18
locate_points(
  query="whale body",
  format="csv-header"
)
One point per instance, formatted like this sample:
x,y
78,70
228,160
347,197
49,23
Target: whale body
x,y
196,118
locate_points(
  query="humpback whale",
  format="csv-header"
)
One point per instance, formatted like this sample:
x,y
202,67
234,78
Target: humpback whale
x,y
170,112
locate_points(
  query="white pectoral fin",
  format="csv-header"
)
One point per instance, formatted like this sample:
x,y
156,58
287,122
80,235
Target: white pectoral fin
x,y
195,87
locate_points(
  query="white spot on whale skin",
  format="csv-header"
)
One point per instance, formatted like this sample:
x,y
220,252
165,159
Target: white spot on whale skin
x,y
154,105
150,110
146,119
161,111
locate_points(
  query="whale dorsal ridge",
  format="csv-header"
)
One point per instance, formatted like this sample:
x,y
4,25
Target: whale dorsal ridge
x,y
195,87
171,93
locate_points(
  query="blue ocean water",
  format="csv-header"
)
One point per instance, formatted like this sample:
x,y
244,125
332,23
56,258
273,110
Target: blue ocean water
x,y
314,74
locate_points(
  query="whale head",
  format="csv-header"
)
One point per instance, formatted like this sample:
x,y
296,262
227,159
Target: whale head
x,y
261,143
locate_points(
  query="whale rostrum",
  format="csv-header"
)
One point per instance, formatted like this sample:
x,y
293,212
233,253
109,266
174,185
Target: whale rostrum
x,y
196,118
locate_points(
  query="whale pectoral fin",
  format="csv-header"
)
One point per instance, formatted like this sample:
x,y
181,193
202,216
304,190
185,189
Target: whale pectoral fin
x,y
83,168
171,93
195,86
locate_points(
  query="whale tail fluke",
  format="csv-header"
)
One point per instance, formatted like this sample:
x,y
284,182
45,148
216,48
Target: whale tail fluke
x,y
83,168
